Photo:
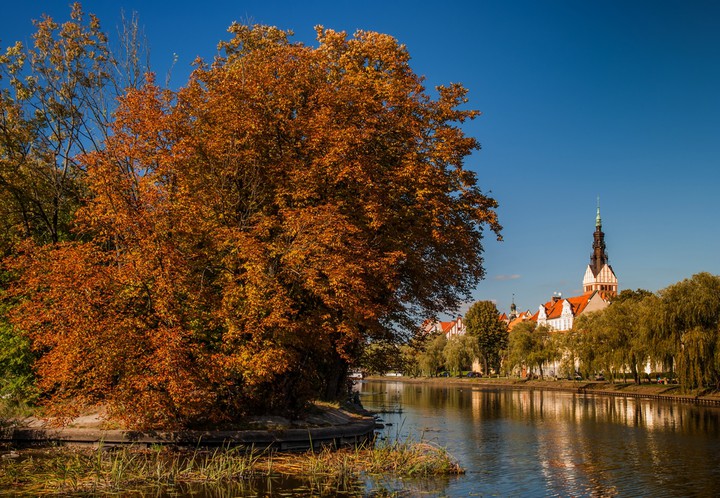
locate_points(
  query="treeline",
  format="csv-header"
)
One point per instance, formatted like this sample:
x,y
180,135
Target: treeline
x,y
675,331
483,345
188,257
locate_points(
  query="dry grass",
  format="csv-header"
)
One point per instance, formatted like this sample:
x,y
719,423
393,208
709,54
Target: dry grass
x,y
405,459
83,470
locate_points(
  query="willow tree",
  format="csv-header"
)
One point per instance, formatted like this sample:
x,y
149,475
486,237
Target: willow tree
x,y
689,320
623,321
246,236
529,346
431,359
521,345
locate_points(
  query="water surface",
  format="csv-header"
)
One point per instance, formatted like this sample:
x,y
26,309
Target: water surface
x,y
548,443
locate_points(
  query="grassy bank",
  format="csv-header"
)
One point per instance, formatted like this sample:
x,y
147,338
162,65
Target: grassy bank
x,y
108,470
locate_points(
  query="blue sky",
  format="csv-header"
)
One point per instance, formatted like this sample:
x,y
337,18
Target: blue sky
x,y
616,98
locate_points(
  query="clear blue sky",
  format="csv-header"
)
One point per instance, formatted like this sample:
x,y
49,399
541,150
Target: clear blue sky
x,y
612,98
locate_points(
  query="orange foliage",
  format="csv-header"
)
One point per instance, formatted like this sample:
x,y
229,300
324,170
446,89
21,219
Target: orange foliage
x,y
247,234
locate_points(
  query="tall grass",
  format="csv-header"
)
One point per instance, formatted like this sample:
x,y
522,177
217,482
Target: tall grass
x,y
399,458
83,470
68,469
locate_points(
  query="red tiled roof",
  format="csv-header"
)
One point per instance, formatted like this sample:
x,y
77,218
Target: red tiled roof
x,y
553,309
446,326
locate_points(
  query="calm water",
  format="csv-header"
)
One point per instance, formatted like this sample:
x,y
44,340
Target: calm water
x,y
522,443
535,443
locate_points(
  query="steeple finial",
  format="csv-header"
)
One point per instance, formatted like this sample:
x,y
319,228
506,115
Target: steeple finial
x,y
598,221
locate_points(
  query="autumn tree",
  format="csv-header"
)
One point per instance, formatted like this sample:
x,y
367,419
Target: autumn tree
x,y
56,101
483,323
246,236
56,98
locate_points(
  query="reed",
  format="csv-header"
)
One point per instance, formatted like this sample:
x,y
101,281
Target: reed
x,y
82,470
398,458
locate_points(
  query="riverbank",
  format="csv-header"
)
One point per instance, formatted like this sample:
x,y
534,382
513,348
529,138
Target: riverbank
x,y
322,426
668,392
328,451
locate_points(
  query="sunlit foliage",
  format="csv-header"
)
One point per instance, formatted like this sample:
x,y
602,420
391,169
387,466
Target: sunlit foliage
x,y
245,236
57,94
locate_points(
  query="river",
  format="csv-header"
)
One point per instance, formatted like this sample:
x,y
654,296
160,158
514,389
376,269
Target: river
x,y
550,443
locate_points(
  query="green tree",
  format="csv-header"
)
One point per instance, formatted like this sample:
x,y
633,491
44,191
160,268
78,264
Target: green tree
x,y
482,322
381,357
431,360
689,321
529,346
520,346
459,353
580,349
17,381
542,351
410,360
624,320
614,340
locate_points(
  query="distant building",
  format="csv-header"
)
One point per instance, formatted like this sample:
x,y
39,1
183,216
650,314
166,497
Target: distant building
x,y
521,317
599,275
449,329
599,285
514,317
559,314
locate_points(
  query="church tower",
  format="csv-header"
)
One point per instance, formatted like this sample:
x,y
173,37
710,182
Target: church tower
x,y
599,275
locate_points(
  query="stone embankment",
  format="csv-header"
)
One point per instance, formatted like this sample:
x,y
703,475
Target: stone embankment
x,y
331,427
665,392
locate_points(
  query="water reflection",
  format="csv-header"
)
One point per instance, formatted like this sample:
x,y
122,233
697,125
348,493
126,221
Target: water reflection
x,y
545,443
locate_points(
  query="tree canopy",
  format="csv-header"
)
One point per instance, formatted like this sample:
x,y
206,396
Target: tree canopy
x,y
482,322
243,238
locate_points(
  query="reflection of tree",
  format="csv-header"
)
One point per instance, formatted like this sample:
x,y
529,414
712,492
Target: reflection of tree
x,y
568,444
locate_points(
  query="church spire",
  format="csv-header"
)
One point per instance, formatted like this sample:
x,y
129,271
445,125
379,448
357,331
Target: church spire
x,y
599,275
599,257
